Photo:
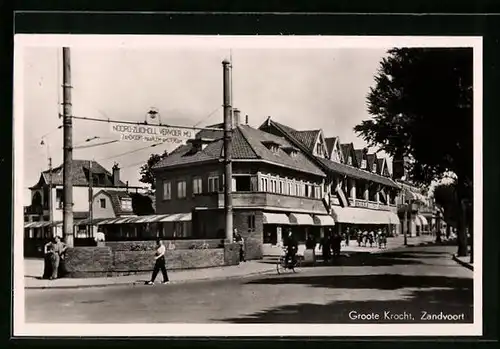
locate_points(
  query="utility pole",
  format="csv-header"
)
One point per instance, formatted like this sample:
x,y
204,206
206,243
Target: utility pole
x,y
68,151
90,228
51,214
228,171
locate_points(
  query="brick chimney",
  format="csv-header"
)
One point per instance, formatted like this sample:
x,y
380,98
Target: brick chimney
x,y
236,117
246,119
116,175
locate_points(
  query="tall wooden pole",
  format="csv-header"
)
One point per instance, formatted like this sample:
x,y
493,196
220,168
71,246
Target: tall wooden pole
x,y
51,212
68,151
91,199
228,171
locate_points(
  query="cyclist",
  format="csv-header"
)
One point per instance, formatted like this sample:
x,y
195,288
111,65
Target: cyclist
x,y
291,246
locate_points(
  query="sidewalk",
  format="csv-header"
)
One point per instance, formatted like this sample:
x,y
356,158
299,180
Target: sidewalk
x,y
31,280
464,261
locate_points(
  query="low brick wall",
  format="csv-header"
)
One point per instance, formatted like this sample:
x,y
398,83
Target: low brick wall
x,y
125,258
231,253
151,245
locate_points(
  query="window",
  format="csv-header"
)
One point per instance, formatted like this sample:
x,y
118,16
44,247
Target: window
x,y
262,184
181,189
363,164
197,186
251,223
281,187
167,190
242,183
319,149
265,184
307,191
289,189
103,203
349,160
374,169
126,204
59,198
213,184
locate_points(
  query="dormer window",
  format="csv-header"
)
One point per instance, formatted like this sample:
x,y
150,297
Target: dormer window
x,y
272,146
319,149
292,151
363,164
374,168
126,204
349,160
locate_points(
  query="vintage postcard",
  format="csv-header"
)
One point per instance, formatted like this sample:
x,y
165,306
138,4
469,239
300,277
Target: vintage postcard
x,y
247,186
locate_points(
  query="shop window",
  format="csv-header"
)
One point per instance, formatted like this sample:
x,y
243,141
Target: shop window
x,y
102,203
251,223
197,185
167,190
213,184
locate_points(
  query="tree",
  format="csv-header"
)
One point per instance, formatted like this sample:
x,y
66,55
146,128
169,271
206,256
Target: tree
x,y
145,171
421,107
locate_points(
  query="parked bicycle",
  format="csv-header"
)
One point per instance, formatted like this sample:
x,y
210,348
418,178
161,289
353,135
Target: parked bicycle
x,y
283,265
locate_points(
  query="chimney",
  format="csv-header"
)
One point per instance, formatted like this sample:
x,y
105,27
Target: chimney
x,y
116,174
236,117
246,119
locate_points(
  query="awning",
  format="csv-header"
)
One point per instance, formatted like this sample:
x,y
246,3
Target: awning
x,y
177,217
301,219
87,221
423,220
356,215
276,218
323,220
417,221
393,218
41,224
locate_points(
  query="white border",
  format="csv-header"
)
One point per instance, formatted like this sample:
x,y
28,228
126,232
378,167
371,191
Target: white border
x,y
20,328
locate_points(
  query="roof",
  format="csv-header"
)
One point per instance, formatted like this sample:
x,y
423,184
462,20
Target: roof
x,y
80,171
307,138
330,143
370,159
346,149
359,156
380,166
339,167
356,172
116,196
246,144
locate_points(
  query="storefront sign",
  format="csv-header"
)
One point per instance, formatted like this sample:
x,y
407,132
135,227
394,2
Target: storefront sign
x,y
152,133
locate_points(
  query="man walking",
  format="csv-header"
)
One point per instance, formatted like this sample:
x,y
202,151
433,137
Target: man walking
x,y
160,263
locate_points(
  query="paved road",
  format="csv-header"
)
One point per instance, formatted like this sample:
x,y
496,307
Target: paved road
x,y
404,283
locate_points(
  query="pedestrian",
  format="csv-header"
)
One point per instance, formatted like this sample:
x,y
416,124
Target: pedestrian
x,y
160,263
371,237
48,250
365,237
336,244
359,237
292,247
237,238
60,249
347,236
325,246
309,253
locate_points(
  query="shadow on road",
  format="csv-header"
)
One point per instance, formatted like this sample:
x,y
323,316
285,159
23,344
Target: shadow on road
x,y
375,282
454,302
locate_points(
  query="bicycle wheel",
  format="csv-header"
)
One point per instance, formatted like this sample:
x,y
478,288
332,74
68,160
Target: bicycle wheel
x,y
296,266
279,266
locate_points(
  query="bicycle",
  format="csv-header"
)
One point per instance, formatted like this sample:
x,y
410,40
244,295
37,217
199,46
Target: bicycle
x,y
282,265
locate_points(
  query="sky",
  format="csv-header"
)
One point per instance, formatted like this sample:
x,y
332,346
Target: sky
x,y
304,88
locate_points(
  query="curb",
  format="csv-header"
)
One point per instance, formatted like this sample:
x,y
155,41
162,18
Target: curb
x,y
135,283
462,263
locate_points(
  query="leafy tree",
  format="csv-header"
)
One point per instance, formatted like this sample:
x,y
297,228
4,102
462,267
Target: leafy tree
x,y
422,108
145,171
142,204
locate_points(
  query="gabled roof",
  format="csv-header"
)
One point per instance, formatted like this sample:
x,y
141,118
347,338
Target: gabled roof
x,y
116,196
247,143
359,156
348,149
330,143
370,160
307,138
80,172
335,166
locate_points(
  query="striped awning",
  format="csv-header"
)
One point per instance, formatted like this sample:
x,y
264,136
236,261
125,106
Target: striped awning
x,y
301,219
176,217
423,220
41,224
87,221
393,218
276,218
323,220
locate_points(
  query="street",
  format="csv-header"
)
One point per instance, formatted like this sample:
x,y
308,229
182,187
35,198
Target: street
x,y
408,285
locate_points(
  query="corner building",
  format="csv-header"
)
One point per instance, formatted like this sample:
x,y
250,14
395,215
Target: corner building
x,y
275,185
